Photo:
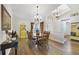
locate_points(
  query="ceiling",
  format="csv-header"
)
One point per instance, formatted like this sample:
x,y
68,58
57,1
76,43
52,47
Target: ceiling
x,y
28,11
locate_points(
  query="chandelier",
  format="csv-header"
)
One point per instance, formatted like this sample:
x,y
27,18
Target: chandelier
x,y
37,17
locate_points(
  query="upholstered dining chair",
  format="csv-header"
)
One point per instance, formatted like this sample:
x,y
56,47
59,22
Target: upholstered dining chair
x,y
31,40
43,42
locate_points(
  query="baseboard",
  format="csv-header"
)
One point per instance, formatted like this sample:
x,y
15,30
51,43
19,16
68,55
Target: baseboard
x,y
57,41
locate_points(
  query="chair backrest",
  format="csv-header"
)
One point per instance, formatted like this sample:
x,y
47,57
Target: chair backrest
x,y
46,35
29,35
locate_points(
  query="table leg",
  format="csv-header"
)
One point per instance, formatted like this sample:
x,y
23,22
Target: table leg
x,y
3,52
15,51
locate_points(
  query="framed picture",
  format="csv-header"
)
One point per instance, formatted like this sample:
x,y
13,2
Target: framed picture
x,y
5,19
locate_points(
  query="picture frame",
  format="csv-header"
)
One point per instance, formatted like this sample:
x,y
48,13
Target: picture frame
x,y
5,19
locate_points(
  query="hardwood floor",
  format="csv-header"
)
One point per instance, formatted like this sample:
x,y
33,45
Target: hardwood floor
x,y
71,47
68,48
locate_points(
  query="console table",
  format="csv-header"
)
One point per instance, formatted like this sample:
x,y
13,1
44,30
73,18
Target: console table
x,y
6,45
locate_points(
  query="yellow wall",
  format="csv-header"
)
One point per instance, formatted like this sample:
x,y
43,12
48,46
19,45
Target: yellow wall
x,y
74,28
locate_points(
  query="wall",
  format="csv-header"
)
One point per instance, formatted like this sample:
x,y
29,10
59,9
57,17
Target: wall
x,y
2,33
74,19
57,31
53,25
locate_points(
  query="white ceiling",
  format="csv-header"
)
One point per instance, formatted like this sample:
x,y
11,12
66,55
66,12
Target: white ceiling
x,y
28,11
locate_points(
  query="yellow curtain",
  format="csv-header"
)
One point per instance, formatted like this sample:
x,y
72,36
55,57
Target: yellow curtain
x,y
23,32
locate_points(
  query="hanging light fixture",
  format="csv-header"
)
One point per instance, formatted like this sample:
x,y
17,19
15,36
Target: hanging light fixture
x,y
37,17
37,14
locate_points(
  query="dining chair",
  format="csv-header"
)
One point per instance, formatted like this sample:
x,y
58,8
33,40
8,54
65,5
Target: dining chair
x,y
43,42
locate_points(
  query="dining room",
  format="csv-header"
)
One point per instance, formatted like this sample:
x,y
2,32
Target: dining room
x,y
39,29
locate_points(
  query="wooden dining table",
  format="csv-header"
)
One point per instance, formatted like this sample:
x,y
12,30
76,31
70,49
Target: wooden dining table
x,y
37,37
